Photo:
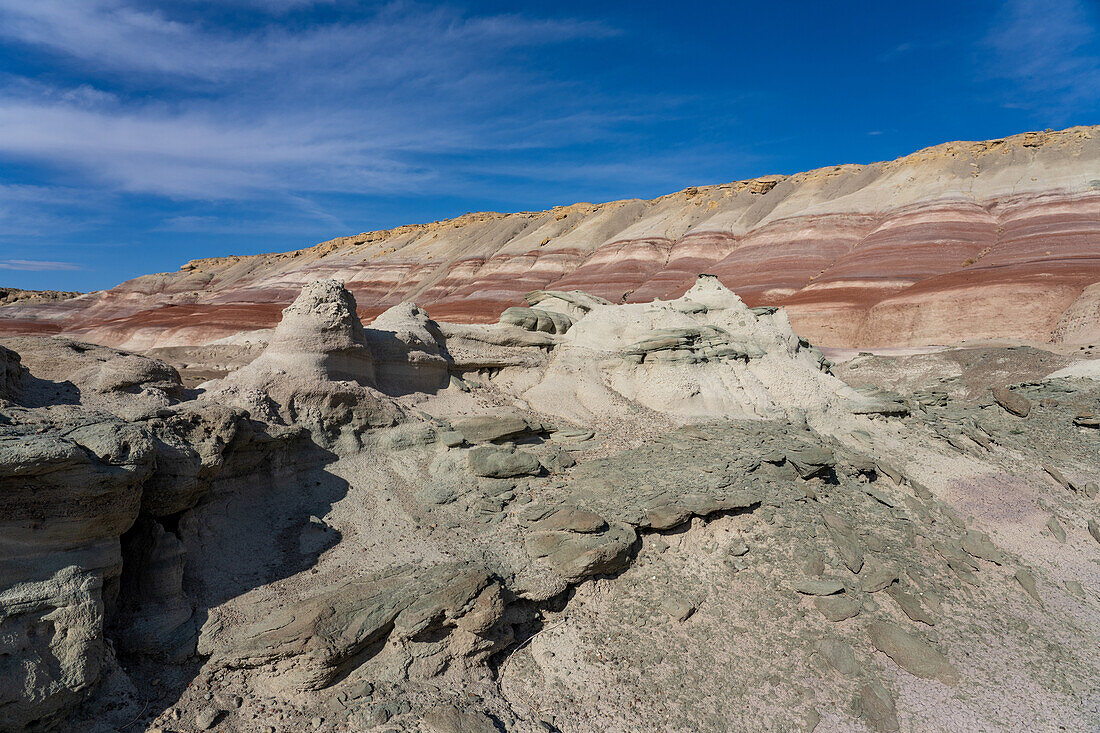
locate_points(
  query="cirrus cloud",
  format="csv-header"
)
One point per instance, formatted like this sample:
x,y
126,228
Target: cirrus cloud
x,y
37,265
1049,49
177,109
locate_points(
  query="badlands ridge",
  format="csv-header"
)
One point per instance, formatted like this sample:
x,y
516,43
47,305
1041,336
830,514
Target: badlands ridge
x,y
962,241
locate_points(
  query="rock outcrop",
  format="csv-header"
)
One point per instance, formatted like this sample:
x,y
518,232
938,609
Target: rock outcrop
x,y
70,485
317,369
705,353
82,488
18,295
964,240
11,374
71,372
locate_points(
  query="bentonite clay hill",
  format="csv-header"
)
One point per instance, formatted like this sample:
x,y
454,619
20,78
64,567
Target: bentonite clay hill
x,y
589,516
971,240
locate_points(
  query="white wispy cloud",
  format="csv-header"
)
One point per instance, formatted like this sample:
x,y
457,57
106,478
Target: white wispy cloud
x,y
373,105
398,41
37,265
1048,49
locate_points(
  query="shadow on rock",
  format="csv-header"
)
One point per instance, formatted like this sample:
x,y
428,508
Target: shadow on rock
x,y
259,522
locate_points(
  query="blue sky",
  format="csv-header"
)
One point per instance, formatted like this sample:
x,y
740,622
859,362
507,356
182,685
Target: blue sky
x,y
137,135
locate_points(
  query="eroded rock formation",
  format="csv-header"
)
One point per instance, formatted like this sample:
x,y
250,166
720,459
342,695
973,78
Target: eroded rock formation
x,y
592,516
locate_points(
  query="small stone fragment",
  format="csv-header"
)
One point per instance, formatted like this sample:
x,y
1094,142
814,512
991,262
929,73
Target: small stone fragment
x,y
1012,402
678,609
577,556
572,519
912,654
819,587
1087,418
964,572
1058,476
486,428
1094,529
876,706
1056,529
980,546
451,438
880,496
558,460
493,462
836,522
874,543
920,490
814,564
911,606
879,579
837,608
810,461
839,655
666,517
953,556
980,438
449,719
851,554
569,435
1027,582
889,471
206,718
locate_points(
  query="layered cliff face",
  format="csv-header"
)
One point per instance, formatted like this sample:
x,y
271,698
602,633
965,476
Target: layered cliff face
x,y
995,239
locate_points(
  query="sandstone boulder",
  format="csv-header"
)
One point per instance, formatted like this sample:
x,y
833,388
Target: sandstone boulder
x,y
489,428
190,450
61,370
53,646
705,353
575,556
308,644
495,462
